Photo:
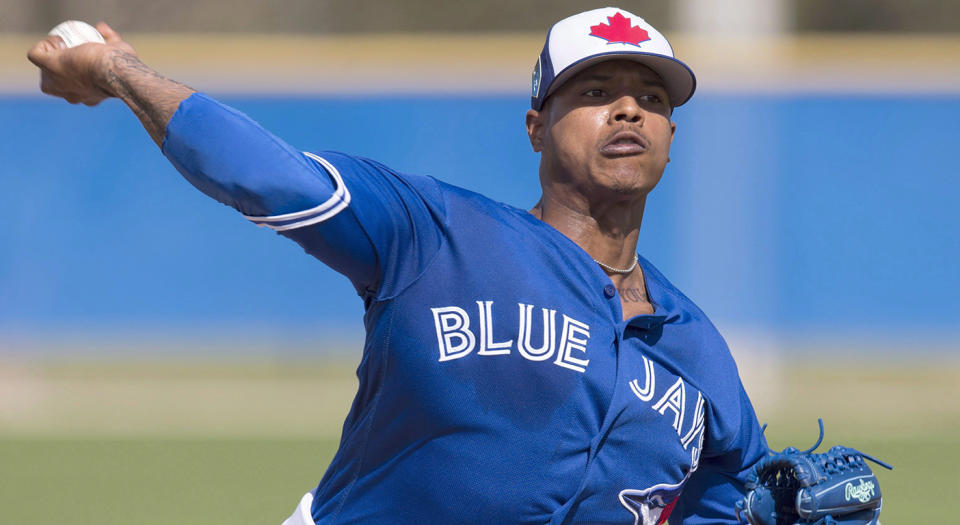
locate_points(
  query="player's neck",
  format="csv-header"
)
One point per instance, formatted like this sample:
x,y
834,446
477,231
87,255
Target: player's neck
x,y
608,232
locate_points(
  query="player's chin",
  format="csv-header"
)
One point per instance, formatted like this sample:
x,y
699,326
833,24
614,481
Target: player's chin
x,y
629,183
631,175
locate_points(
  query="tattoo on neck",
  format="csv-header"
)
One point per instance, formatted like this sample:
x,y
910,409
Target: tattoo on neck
x,y
633,295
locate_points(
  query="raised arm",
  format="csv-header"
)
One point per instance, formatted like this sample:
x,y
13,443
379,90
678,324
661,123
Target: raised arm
x,y
361,218
90,73
218,149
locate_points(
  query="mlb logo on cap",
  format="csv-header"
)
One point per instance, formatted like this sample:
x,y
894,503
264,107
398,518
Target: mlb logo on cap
x,y
580,41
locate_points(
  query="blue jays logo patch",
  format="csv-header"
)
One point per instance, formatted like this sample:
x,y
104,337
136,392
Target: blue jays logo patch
x,y
651,506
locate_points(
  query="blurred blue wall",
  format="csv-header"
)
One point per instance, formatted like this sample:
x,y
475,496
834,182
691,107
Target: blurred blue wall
x,y
788,214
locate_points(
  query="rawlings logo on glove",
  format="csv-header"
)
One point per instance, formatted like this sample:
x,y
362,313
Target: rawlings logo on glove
x,y
795,487
863,492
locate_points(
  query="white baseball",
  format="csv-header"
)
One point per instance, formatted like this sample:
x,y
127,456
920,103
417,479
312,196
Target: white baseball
x,y
75,32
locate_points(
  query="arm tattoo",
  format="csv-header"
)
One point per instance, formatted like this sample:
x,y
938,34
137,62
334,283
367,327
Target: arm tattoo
x,y
152,97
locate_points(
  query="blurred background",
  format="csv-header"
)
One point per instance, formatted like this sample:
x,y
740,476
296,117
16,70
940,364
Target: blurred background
x,y
161,358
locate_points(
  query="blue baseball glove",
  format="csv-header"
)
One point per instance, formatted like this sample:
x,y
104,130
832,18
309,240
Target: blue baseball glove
x,y
796,487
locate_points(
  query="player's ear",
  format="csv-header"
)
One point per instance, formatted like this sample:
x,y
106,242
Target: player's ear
x,y
535,127
673,133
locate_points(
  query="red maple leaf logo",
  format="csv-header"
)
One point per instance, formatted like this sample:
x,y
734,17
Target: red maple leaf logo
x,y
620,31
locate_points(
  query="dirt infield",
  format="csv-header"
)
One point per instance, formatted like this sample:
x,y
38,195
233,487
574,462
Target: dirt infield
x,y
894,400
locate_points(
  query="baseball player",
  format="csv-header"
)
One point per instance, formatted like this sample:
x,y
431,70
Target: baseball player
x,y
520,366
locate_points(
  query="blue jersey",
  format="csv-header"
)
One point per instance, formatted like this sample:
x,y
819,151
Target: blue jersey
x,y
499,382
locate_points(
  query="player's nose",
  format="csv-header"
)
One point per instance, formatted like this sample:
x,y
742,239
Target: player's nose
x,y
626,109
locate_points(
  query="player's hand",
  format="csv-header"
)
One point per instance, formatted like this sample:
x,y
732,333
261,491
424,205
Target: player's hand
x,y
78,74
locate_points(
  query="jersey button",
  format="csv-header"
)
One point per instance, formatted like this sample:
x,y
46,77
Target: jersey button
x,y
609,291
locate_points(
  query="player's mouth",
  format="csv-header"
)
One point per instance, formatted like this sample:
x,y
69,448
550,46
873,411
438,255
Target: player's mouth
x,y
625,143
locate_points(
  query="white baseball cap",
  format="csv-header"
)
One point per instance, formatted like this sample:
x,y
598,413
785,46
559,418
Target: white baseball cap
x,y
580,41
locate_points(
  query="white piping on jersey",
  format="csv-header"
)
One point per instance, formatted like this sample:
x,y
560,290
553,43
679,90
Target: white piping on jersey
x,y
332,206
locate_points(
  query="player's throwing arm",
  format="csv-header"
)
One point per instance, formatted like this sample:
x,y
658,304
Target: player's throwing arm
x,y
91,72
263,177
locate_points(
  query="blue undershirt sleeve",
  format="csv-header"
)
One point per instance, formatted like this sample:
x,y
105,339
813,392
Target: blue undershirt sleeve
x,y
718,484
364,220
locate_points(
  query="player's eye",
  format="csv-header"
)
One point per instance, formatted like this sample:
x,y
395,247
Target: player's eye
x,y
651,98
594,92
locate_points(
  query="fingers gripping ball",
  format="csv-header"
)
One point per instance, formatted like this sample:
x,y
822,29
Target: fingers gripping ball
x,y
75,32
796,487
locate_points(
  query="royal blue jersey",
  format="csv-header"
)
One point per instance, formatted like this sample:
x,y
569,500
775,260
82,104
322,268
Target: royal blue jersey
x,y
499,382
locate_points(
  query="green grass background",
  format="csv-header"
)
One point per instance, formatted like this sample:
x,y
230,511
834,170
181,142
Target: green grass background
x,y
158,442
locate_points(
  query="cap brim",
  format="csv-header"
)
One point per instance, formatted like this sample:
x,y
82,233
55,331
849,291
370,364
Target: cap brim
x,y
678,78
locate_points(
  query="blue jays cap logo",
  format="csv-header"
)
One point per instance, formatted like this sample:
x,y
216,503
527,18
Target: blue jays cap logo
x,y
620,31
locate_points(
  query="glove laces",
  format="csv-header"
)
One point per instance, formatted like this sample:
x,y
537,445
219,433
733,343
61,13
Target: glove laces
x,y
837,458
